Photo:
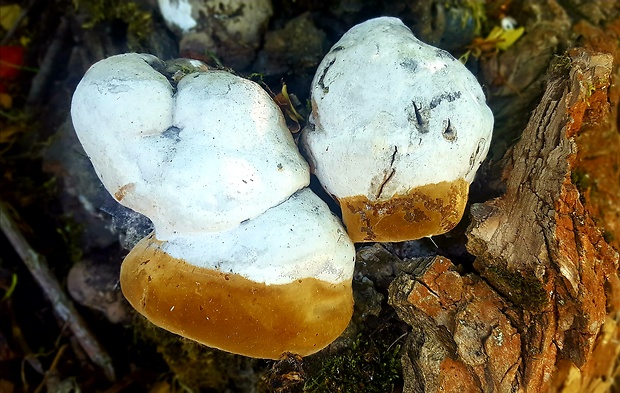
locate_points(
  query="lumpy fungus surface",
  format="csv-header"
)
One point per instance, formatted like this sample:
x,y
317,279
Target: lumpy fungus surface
x,y
397,131
244,257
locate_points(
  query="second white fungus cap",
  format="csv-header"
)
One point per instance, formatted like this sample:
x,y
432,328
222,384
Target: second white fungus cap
x,y
391,113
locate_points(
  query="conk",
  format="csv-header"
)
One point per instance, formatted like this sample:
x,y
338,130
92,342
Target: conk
x,y
244,258
397,132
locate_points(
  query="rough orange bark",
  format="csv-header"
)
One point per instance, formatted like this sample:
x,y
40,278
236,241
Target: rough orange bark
x,y
541,313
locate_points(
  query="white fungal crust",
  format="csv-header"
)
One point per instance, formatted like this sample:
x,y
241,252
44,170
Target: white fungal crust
x,y
178,13
297,239
239,18
391,113
215,153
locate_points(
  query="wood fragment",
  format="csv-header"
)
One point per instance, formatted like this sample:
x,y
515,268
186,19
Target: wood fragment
x,y
541,313
537,245
462,335
63,307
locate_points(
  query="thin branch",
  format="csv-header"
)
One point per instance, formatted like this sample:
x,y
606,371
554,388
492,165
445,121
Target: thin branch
x,y
60,302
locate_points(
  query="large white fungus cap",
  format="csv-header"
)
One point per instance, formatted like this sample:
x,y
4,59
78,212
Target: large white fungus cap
x,y
392,116
202,159
244,257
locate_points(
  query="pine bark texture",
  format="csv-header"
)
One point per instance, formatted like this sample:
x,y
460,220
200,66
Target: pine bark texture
x,y
540,313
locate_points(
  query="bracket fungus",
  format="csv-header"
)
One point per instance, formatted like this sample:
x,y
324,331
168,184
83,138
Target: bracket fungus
x,y
397,132
244,257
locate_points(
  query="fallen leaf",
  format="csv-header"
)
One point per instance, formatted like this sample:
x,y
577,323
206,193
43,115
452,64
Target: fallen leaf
x,y
9,15
6,102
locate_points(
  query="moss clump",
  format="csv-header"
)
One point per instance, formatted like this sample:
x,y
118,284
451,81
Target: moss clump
x,y
581,180
478,13
196,367
366,366
608,236
525,291
561,62
138,21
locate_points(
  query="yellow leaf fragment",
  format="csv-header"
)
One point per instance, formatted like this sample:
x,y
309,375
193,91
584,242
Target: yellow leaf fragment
x,y
504,39
6,102
24,41
495,34
294,115
9,15
510,37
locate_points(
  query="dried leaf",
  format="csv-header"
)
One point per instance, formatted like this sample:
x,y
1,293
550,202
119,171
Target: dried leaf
x,y
9,133
6,102
509,37
9,15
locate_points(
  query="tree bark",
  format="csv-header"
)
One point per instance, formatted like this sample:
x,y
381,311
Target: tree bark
x,y
540,313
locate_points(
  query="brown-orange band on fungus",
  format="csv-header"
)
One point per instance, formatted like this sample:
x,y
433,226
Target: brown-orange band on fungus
x,y
230,312
423,211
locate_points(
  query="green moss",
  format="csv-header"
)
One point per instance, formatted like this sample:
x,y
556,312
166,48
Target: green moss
x,y
478,13
581,180
366,366
608,236
590,89
138,21
71,233
563,62
522,290
195,367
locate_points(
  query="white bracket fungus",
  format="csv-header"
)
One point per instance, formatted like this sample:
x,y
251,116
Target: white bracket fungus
x,y
201,159
178,14
397,132
243,258
240,18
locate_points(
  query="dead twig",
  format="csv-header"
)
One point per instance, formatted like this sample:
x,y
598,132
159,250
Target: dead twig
x,y
49,65
52,368
60,302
